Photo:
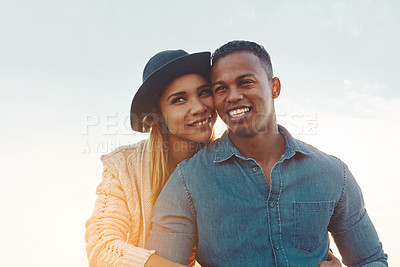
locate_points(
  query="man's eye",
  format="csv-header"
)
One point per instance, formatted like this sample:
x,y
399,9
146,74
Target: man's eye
x,y
245,82
219,88
178,100
205,92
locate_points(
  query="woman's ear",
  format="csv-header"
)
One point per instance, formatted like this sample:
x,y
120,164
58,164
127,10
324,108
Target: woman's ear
x,y
156,115
276,87
152,118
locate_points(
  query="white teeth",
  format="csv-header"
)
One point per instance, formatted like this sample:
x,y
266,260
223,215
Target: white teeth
x,y
200,123
238,112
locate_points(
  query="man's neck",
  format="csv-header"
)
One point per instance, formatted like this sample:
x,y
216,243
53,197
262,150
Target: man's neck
x,y
265,148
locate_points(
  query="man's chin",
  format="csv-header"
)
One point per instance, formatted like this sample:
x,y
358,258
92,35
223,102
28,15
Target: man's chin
x,y
242,132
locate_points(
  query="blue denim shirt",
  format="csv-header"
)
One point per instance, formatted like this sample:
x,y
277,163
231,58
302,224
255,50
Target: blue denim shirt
x,y
221,202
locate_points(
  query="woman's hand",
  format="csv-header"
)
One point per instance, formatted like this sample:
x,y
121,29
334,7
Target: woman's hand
x,y
331,261
158,261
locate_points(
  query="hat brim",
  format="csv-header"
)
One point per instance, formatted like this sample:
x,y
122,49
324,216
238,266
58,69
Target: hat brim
x,y
141,104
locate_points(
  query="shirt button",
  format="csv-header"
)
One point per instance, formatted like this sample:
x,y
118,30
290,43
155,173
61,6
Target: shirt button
x,y
271,205
255,169
276,247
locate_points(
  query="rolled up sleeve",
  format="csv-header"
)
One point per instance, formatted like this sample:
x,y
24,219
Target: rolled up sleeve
x,y
174,230
352,229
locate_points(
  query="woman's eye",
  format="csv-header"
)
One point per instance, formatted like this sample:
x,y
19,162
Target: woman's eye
x,y
178,100
205,92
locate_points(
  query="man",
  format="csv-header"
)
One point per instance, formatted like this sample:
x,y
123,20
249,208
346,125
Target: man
x,y
257,196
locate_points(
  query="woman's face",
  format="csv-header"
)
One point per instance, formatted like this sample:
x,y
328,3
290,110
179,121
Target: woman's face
x,y
187,107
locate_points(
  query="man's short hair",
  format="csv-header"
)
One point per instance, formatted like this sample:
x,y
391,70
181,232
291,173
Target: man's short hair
x,y
240,45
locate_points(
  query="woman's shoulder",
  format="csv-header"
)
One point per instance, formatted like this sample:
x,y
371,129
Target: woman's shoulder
x,y
123,153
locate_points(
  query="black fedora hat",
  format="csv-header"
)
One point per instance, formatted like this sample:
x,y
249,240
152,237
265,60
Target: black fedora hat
x,y
159,71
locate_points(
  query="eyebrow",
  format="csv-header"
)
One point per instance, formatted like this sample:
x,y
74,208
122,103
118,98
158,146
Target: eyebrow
x,y
203,86
213,84
245,75
237,78
176,94
184,93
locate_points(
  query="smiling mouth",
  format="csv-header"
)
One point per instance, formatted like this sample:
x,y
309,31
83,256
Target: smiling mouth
x,y
237,113
200,123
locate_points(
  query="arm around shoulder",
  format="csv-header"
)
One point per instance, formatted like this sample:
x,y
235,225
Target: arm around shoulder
x,y
108,227
157,261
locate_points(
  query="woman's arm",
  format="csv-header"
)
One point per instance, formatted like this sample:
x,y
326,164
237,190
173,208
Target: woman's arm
x,y
157,261
331,261
108,228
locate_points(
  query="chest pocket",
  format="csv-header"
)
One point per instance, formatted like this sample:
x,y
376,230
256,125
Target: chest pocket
x,y
311,223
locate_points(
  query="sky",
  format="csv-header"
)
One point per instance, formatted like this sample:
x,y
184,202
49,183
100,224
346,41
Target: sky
x,y
69,70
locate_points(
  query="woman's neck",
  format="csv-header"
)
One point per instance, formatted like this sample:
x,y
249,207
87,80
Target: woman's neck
x,y
180,149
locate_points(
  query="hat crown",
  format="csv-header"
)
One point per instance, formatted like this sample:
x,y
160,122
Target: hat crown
x,y
159,71
161,59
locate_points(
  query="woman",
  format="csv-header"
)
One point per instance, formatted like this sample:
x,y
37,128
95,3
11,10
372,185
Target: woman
x,y
175,105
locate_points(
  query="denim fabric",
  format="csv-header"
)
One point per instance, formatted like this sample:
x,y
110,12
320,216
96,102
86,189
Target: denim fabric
x,y
221,202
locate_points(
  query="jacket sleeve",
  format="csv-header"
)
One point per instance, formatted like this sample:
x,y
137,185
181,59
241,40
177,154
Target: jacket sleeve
x,y
174,229
107,230
352,229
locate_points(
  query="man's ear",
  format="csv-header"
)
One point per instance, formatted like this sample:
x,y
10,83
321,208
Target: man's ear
x,y
276,87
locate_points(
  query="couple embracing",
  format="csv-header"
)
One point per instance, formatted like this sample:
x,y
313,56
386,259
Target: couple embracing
x,y
254,197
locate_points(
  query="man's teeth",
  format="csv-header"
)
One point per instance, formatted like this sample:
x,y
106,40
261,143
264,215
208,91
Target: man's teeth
x,y
200,123
238,112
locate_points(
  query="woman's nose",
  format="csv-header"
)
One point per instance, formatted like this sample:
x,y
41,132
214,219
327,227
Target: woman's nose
x,y
197,107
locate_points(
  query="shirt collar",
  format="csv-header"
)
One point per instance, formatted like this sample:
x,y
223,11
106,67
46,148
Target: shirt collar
x,y
292,145
224,149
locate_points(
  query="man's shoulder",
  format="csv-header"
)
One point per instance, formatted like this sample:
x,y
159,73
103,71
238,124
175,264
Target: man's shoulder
x,y
296,146
320,156
322,165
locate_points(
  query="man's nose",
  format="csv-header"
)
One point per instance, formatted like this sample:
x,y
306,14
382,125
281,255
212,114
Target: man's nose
x,y
234,94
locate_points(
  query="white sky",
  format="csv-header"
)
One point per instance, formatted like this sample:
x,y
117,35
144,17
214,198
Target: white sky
x,y
65,65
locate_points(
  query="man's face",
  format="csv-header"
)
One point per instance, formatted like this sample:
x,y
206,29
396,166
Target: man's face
x,y
243,94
